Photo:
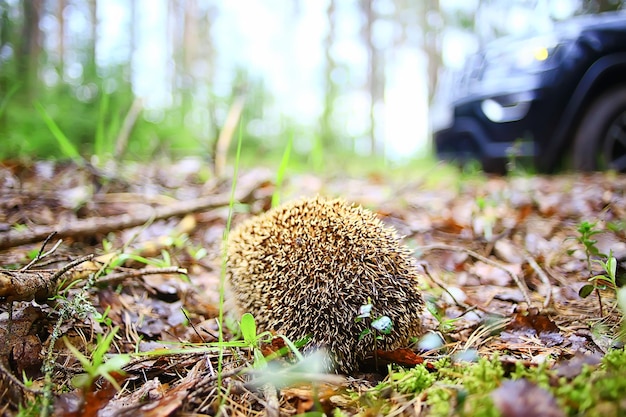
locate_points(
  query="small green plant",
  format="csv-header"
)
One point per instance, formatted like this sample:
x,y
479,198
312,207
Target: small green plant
x,y
19,227
28,382
445,325
30,409
586,231
607,280
621,303
97,366
513,154
103,318
165,262
378,327
485,217
253,340
107,246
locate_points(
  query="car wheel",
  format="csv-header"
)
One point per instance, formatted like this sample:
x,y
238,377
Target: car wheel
x,y
600,141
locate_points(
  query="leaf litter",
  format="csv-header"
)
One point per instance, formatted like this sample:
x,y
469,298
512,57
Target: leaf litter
x,y
502,270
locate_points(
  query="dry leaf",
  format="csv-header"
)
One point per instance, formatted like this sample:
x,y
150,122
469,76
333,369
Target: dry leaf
x,y
522,398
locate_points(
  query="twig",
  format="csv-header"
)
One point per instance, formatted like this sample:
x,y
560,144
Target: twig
x,y
443,286
127,126
14,390
120,276
226,135
71,265
466,307
518,281
271,400
39,255
33,285
90,226
542,276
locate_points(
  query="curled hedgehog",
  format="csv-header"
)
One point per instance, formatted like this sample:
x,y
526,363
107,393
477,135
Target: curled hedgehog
x,y
306,267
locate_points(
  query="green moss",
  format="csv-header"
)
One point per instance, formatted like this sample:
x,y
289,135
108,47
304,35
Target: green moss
x,y
412,381
597,391
462,389
484,376
440,400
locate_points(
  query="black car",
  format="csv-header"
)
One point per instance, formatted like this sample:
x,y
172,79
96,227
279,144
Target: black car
x,y
558,98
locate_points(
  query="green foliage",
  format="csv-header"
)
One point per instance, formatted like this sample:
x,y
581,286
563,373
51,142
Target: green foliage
x,y
252,340
608,263
586,231
280,174
380,326
412,381
30,409
607,280
5,100
97,367
445,325
462,389
101,144
621,303
65,145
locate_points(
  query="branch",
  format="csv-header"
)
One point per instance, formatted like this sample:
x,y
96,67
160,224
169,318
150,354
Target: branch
x,y
484,259
93,225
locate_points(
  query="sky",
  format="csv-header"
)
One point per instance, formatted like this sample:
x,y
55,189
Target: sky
x,y
288,55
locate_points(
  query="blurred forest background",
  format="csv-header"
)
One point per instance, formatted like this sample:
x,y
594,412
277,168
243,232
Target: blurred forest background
x,y
147,79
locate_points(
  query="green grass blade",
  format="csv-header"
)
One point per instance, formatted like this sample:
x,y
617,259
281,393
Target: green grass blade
x,y
284,163
67,148
99,144
5,100
231,208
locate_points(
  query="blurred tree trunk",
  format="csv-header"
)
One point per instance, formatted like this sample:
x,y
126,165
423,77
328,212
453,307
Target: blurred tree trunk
x,y
375,79
6,76
431,26
183,31
599,6
171,36
327,133
61,36
189,53
29,50
206,54
90,70
132,25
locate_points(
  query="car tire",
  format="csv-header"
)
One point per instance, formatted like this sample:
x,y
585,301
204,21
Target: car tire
x,y
600,141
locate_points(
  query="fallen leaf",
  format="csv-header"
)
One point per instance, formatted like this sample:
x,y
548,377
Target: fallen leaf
x,y
402,356
532,325
521,398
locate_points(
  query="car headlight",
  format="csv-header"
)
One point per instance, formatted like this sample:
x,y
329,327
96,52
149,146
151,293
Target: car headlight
x,y
519,58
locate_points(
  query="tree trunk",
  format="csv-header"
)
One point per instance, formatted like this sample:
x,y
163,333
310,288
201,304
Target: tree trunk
x,y
61,36
599,6
30,47
6,76
326,129
90,71
431,44
132,39
189,49
376,78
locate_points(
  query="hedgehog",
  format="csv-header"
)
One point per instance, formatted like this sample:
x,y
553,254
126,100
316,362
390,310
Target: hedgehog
x,y
305,268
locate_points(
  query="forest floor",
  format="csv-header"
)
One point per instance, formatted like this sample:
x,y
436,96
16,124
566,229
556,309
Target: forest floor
x,y
115,315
